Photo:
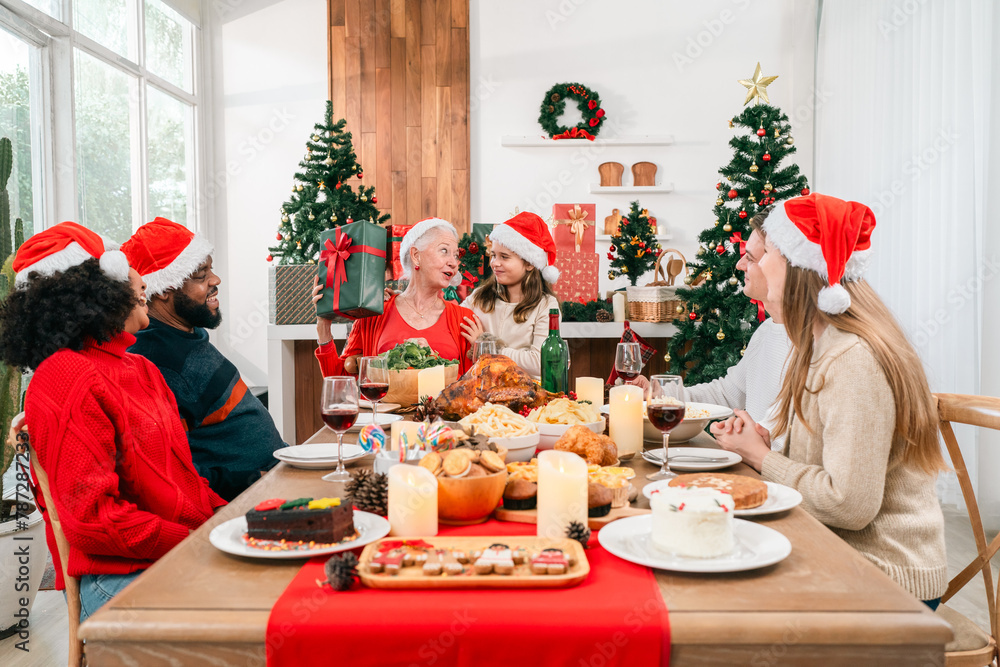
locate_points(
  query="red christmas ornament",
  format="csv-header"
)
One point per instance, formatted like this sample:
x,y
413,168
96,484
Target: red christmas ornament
x,y
350,220
766,157
733,193
611,249
805,191
360,175
279,237
761,132
270,258
721,249
692,316
592,104
594,122
461,253
610,256
743,214
718,186
599,113
374,200
474,248
339,184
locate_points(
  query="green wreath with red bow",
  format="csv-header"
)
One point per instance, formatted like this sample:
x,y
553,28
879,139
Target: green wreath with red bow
x,y
587,101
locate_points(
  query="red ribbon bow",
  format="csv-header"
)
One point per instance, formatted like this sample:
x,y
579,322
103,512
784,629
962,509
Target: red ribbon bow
x,y
737,239
468,280
575,133
760,309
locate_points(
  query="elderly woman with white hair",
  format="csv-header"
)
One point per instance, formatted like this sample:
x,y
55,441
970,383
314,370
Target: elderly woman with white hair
x,y
429,255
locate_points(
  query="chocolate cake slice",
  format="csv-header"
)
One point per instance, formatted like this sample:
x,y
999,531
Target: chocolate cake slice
x,y
327,522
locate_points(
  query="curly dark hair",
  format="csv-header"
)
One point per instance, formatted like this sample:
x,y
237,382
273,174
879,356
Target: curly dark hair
x,y
62,311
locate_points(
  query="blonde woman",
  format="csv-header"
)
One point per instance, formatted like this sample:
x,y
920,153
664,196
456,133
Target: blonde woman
x,y
861,422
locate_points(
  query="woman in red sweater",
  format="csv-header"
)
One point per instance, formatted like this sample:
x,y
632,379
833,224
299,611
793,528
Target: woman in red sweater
x,y
103,423
429,254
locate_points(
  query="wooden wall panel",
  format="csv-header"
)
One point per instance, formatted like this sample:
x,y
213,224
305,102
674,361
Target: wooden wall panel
x,y
399,75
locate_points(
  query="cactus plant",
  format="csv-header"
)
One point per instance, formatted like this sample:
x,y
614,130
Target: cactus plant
x,y
10,377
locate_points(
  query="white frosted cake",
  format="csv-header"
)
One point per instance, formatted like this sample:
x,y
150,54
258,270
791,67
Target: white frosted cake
x,y
693,522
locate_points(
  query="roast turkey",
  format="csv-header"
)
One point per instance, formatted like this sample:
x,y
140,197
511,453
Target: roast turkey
x,y
495,379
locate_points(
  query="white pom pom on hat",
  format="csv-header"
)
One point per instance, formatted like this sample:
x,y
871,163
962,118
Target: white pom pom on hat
x,y
827,235
528,237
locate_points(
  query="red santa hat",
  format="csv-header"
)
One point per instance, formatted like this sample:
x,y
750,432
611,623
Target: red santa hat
x,y
827,235
414,234
165,254
528,236
64,246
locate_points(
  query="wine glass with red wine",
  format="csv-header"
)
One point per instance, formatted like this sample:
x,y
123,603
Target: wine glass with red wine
x,y
373,381
665,409
339,407
628,361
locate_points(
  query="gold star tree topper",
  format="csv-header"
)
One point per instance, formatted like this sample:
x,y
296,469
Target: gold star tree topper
x,y
757,87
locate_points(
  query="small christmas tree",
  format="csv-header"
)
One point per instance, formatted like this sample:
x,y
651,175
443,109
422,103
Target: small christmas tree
x,y
714,333
634,248
321,196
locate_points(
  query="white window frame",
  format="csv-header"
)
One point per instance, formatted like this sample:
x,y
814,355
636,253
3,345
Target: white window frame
x,y
57,171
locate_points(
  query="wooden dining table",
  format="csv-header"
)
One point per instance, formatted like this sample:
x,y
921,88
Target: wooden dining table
x,y
823,605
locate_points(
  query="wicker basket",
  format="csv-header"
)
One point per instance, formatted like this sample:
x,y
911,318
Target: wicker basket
x,y
657,302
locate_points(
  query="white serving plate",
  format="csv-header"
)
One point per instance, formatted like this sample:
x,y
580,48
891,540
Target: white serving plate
x,y
693,465
548,434
687,429
228,537
780,498
365,404
318,456
756,546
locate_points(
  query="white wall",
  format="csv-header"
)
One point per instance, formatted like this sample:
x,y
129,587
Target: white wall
x,y
662,67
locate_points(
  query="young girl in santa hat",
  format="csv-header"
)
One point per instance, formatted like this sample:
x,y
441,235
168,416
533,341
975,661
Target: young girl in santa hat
x,y
513,304
861,421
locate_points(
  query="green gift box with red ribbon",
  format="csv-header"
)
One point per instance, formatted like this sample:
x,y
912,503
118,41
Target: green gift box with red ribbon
x,y
351,269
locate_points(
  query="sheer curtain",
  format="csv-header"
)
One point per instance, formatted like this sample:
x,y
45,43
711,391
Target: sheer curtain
x,y
904,127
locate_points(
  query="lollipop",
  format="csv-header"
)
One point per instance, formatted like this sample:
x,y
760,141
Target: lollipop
x,y
436,436
372,438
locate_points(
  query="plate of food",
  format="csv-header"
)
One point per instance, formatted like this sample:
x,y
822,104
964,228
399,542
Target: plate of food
x,y
696,418
504,427
752,497
318,456
558,415
693,529
300,528
693,459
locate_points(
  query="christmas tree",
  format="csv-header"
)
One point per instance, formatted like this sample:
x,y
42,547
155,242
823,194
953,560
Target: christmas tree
x,y
322,198
634,248
713,335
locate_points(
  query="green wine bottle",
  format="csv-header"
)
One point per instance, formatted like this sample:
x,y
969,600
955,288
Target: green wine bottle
x,y
555,358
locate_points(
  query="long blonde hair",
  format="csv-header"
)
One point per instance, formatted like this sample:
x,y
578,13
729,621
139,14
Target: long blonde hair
x,y
534,288
870,320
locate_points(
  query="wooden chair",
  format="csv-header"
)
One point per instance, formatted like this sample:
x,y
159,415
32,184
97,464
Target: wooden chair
x,y
971,647
76,656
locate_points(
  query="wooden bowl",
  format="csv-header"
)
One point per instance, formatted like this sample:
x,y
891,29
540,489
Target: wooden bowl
x,y
467,500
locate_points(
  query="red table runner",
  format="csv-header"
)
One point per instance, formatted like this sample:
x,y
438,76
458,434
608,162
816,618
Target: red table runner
x,y
615,617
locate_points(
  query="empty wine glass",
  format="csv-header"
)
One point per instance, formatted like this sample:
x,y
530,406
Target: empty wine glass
x,y
665,409
628,361
373,381
339,407
481,347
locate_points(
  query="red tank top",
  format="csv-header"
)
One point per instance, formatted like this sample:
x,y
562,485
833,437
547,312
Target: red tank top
x,y
437,335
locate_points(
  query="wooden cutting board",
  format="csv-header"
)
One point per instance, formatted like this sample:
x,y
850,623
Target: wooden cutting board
x,y
531,516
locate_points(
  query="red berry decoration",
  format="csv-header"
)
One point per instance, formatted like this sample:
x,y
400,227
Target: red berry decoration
x,y
474,248
692,316
733,193
592,105
279,237
599,113
761,132
594,122
743,214
766,157
610,256
270,258
805,191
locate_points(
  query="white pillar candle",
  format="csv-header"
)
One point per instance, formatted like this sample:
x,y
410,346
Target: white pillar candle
x,y
590,389
625,419
398,428
413,501
619,303
562,492
430,381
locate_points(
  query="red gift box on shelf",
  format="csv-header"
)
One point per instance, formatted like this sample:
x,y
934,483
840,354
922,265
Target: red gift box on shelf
x,y
574,230
396,233
578,274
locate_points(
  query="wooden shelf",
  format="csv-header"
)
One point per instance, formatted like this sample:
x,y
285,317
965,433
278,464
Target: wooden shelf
x,y
540,141
596,189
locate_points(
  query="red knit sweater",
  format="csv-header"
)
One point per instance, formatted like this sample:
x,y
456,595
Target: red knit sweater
x,y
105,428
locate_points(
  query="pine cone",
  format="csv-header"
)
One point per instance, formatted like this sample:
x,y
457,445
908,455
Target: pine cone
x,y
604,316
579,532
341,571
370,492
356,482
427,410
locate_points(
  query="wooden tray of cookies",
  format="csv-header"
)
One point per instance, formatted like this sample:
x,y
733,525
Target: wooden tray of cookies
x,y
531,516
523,558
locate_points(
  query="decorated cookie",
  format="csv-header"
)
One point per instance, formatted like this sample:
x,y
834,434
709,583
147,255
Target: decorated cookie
x,y
372,438
497,559
388,562
550,561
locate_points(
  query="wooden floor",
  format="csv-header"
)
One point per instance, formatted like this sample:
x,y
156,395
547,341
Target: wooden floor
x,y
48,617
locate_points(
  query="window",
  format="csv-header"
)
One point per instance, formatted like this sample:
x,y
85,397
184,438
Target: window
x,y
123,117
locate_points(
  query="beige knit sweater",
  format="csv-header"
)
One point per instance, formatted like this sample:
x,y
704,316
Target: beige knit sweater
x,y
851,478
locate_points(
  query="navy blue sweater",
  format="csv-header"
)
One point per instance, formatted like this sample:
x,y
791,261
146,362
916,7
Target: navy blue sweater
x,y
230,432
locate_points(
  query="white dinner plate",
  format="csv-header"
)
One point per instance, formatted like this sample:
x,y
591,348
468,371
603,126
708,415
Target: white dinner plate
x,y
681,464
365,418
780,498
228,537
756,546
382,407
318,456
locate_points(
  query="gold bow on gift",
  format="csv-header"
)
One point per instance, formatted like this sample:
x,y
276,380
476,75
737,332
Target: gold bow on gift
x,y
577,224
